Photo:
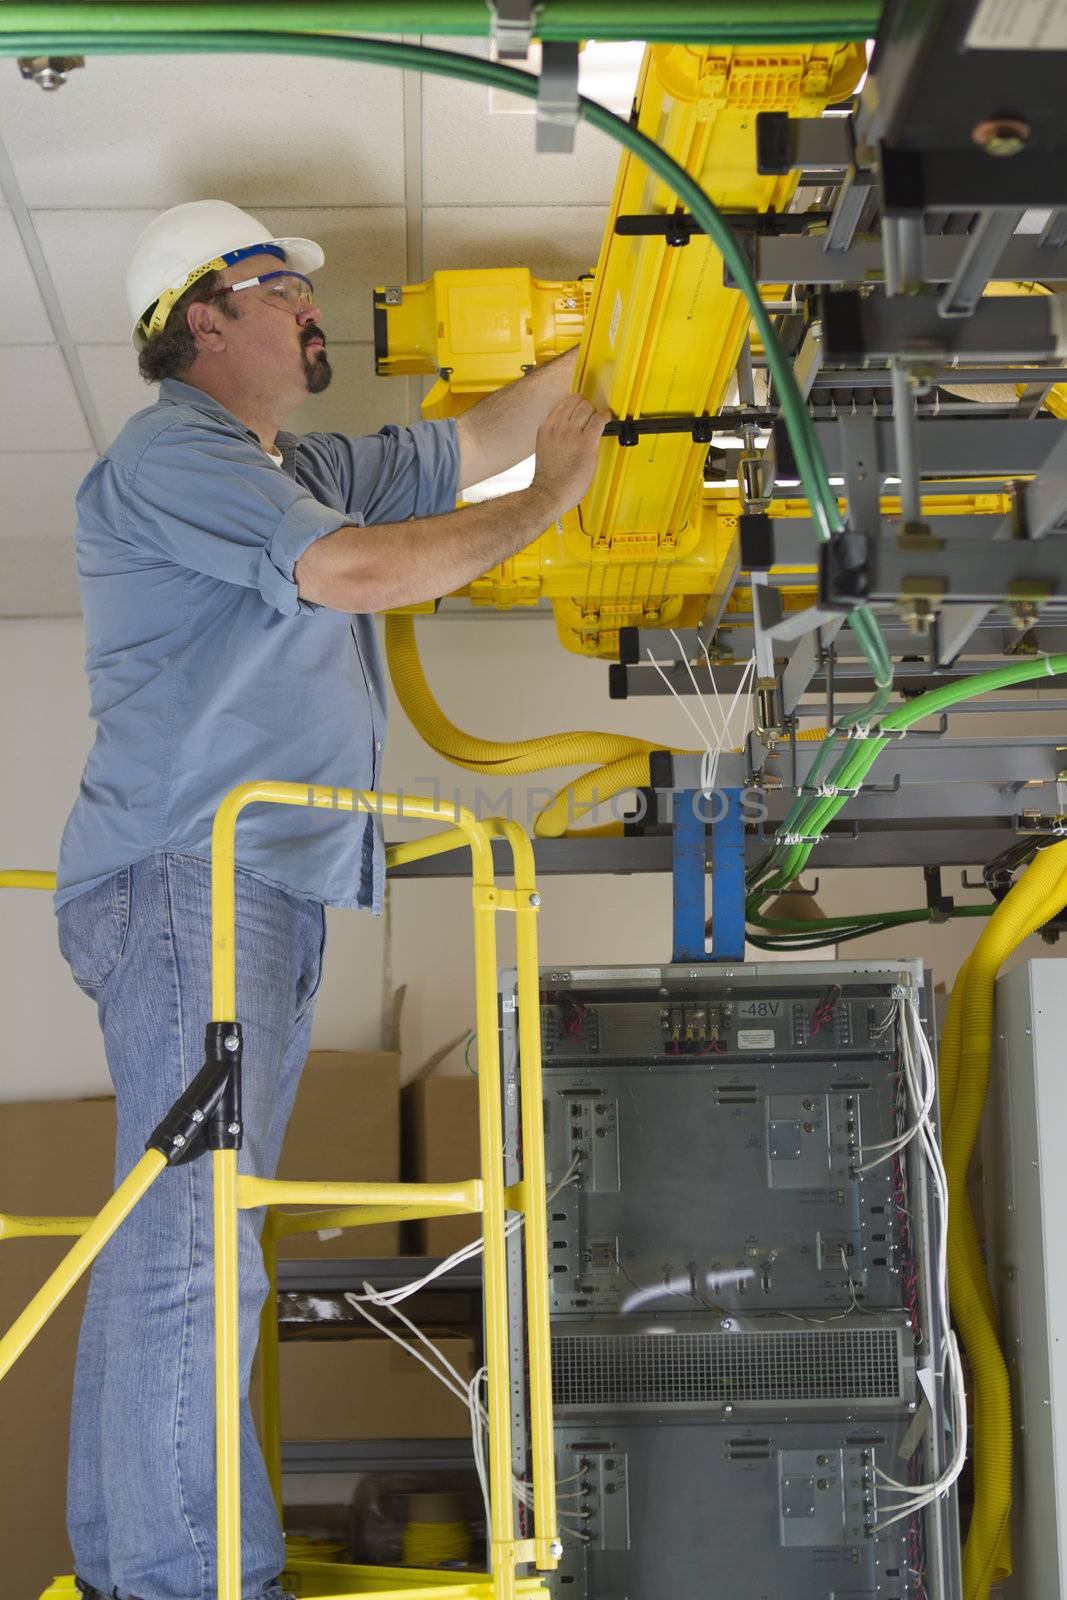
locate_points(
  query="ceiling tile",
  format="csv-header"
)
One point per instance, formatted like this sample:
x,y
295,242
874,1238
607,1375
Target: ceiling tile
x,y
553,241
40,578
356,402
115,384
38,404
23,319
257,130
87,253
476,157
37,492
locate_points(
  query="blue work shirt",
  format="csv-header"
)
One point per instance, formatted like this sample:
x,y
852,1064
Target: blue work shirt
x,y
205,667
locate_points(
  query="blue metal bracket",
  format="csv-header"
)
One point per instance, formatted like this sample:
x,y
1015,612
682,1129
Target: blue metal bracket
x,y
691,813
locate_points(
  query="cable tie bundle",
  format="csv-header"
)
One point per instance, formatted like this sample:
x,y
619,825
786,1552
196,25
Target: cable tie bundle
x,y
828,790
800,838
863,730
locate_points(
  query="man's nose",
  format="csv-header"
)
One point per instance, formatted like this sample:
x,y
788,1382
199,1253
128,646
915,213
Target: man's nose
x,y
309,314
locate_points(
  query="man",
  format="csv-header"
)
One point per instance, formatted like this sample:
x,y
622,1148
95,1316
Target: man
x,y
228,572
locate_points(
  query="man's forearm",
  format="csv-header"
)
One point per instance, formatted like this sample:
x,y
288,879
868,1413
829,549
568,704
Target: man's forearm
x,y
502,428
372,569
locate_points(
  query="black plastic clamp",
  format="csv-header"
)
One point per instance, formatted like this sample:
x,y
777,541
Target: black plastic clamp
x,y
757,541
207,1115
844,570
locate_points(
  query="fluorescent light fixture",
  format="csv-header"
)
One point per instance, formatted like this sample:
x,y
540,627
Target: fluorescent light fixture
x,y
734,441
607,73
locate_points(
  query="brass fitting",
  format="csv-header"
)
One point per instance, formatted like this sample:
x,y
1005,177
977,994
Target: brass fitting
x,y
919,602
1001,136
766,715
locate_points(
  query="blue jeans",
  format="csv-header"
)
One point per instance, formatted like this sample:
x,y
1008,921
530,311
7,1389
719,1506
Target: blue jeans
x,y
141,1493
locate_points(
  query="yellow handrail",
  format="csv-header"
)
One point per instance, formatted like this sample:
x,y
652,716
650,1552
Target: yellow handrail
x,y
363,1203
78,1259
487,900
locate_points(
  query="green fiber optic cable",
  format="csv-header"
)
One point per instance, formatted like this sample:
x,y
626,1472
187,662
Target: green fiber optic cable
x,y
807,822
816,942
888,918
668,21
839,929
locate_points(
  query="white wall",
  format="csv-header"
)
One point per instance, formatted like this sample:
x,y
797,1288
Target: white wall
x,y
496,676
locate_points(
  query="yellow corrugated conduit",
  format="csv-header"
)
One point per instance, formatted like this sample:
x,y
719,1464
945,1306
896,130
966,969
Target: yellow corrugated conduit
x,y
623,759
966,1049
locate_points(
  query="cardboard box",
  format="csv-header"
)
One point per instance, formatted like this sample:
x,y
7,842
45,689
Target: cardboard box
x,y
56,1159
441,1144
345,1127
369,1389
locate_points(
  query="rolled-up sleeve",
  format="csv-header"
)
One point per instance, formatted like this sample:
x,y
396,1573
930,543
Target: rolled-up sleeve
x,y
397,473
214,503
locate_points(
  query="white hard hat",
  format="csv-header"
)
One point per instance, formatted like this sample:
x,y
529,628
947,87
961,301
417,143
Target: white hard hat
x,y
187,242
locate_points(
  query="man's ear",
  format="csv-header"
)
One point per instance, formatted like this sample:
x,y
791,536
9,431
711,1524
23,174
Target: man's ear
x,y
205,323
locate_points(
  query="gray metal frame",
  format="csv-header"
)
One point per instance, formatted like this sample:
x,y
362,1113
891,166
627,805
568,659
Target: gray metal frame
x,y
1023,1142
625,1454
794,258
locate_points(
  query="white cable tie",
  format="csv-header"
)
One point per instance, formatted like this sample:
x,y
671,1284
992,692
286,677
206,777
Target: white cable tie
x,y
800,838
718,735
828,790
701,735
863,730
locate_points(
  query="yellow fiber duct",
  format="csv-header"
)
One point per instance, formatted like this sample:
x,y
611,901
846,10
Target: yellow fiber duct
x,y
485,755
965,1061
623,759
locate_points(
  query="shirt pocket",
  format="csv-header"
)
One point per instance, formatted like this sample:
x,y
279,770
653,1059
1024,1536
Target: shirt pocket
x,y
93,928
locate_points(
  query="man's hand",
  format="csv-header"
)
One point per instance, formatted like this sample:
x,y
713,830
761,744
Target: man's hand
x,y
567,443
373,568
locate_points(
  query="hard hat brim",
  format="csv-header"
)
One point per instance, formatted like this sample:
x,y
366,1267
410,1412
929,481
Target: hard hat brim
x,y
303,255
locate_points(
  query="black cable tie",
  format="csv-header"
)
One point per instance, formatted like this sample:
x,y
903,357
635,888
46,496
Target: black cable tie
x,y
678,230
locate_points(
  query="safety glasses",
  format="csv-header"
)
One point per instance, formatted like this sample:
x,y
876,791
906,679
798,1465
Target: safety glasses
x,y
289,291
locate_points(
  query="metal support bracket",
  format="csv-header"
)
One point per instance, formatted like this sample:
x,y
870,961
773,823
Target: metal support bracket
x,y
49,72
691,814
513,27
983,250
557,97
854,192
940,905
814,145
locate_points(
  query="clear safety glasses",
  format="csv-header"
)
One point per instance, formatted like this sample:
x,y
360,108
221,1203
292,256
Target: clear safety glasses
x,y
289,291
